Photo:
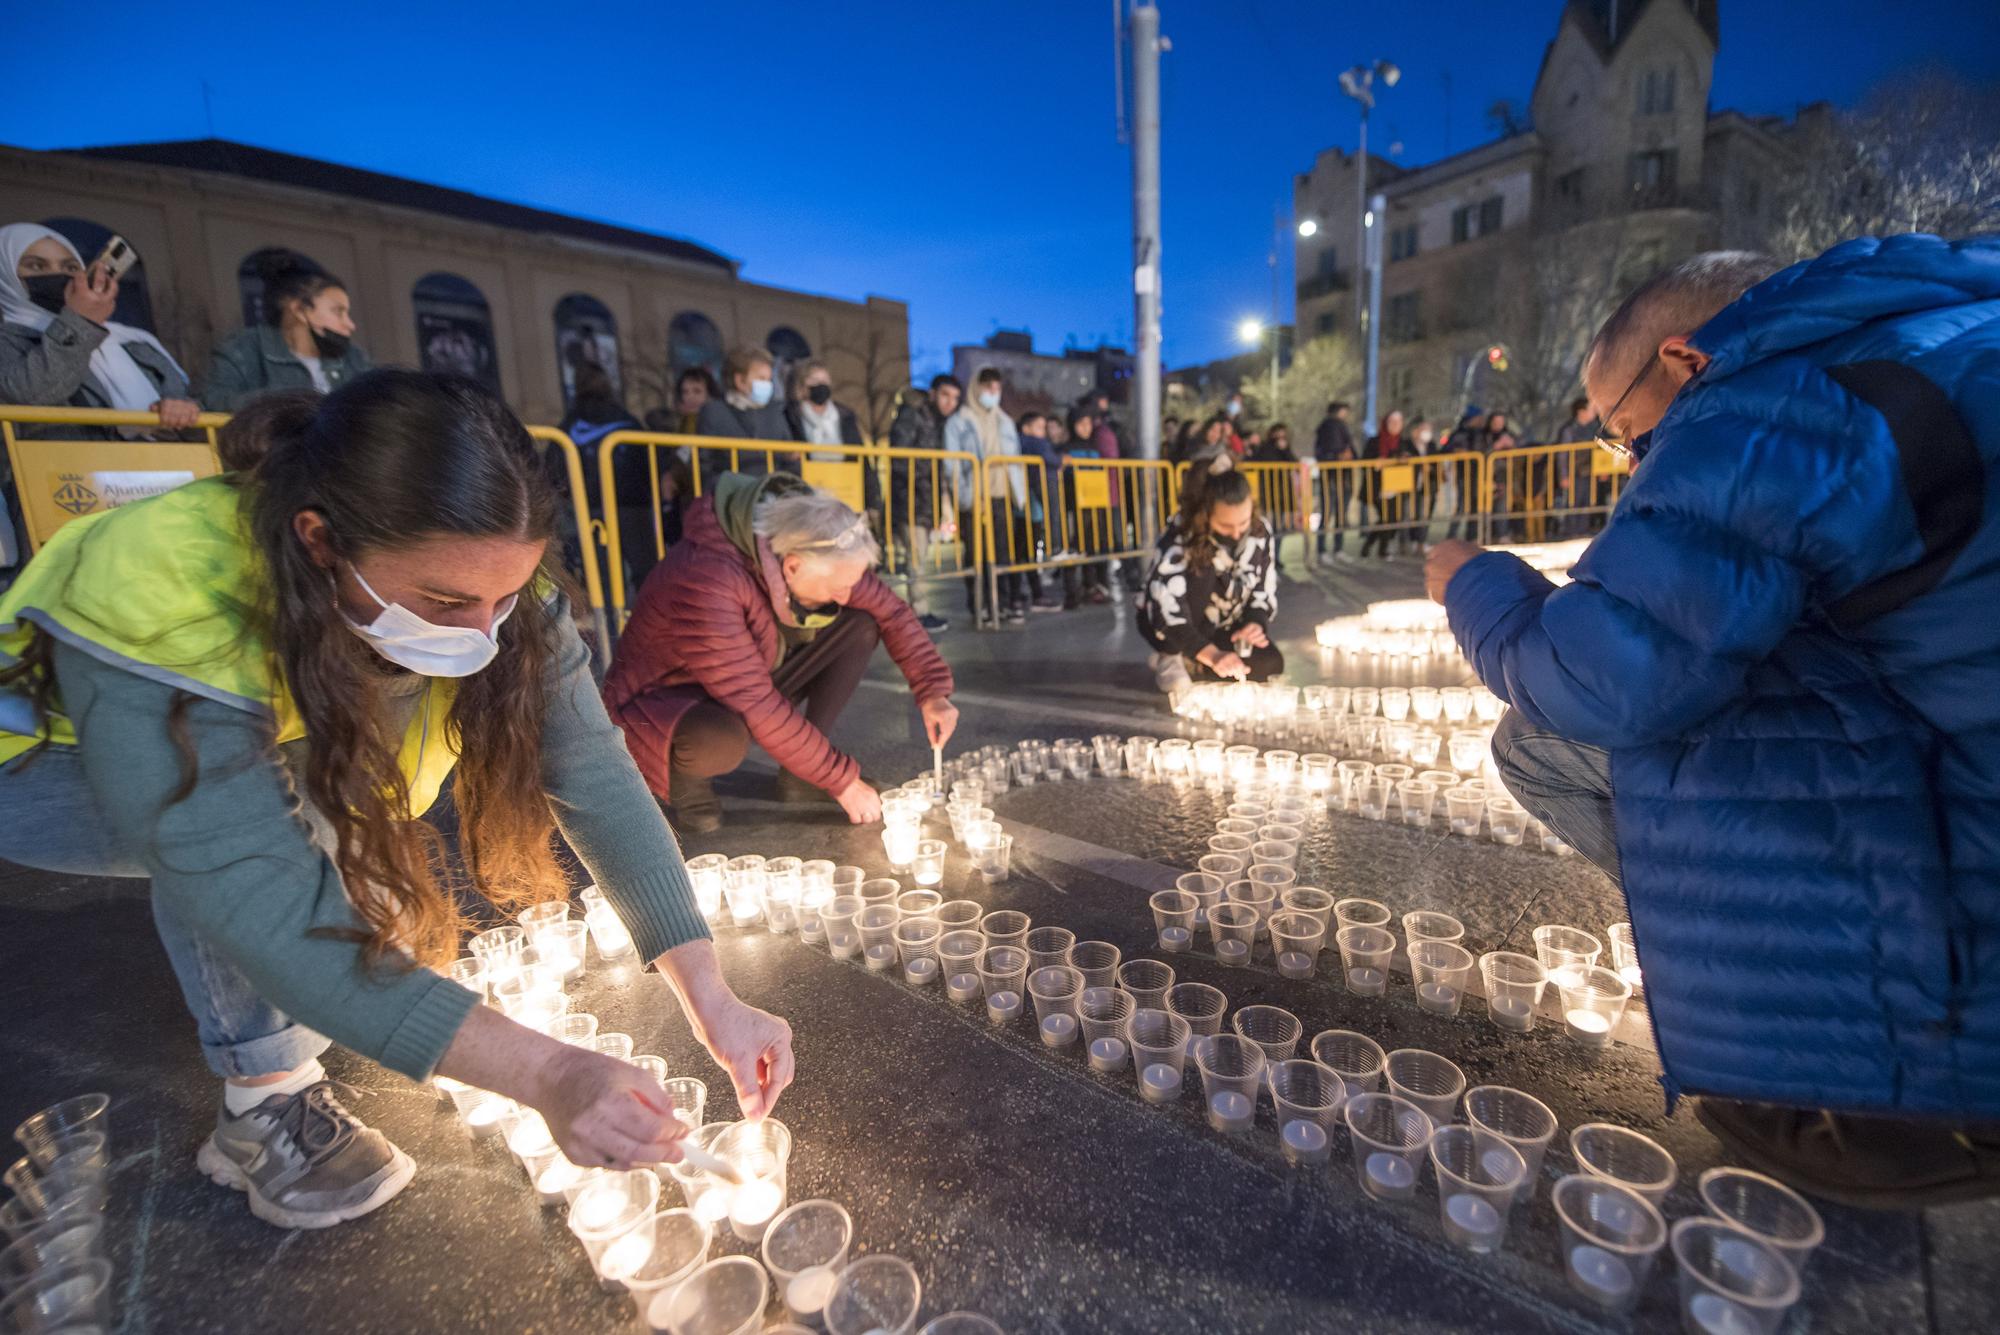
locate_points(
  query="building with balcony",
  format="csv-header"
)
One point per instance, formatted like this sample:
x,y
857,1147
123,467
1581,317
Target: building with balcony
x,y
1621,169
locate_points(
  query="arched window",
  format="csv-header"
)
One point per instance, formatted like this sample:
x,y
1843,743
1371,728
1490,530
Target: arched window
x,y
788,347
585,332
135,305
250,278
455,328
693,340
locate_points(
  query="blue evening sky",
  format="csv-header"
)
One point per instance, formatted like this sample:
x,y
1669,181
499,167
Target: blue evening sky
x,y
961,156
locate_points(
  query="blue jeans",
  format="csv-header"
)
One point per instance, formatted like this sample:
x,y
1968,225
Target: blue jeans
x,y
1565,785
49,819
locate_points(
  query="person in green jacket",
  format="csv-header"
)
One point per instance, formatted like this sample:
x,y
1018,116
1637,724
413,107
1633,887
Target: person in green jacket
x,y
251,688
305,342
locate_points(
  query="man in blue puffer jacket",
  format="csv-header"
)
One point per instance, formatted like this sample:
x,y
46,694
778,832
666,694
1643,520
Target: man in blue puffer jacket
x,y
1769,702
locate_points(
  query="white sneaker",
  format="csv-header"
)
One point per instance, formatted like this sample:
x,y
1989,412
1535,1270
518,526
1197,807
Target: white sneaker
x,y
1169,673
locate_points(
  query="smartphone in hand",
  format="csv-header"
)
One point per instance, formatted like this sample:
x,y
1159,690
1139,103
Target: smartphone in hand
x,y
116,258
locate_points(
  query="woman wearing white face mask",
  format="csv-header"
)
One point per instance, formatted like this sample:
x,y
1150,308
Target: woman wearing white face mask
x,y
358,611
749,409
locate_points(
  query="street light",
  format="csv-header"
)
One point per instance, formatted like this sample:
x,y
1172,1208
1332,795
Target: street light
x,y
1359,84
1251,331
1308,227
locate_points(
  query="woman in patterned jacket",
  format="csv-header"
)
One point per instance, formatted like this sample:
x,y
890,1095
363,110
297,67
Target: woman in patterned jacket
x,y
1213,589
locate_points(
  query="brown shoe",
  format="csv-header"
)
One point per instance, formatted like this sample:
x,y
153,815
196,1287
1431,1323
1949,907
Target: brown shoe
x,y
695,807
1873,1163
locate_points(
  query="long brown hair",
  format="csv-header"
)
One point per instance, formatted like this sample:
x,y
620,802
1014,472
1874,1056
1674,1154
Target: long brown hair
x,y
1205,489
388,459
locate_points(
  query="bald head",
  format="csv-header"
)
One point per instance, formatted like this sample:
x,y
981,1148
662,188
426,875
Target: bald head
x,y
1641,358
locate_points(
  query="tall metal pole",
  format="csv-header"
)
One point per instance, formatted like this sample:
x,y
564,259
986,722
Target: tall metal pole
x,y
1277,232
1360,224
1372,222
1145,38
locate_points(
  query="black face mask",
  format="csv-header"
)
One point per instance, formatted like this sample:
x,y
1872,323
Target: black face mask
x,y
821,395
1638,445
47,290
329,344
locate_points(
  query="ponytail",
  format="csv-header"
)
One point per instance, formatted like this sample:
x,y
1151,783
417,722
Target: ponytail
x,y
248,437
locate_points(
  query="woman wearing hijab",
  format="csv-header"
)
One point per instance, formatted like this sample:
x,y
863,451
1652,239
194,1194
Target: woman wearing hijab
x,y
305,342
59,345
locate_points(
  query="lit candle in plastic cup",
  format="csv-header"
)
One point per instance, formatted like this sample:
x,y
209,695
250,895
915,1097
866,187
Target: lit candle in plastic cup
x,y
611,1208
1348,777
1309,900
1233,928
843,938
1625,955
958,957
1427,925
1465,810
1766,1209
927,864
1417,798
1147,981
1308,1098
1110,749
1054,988
1506,820
805,1249
876,1295
1441,971
609,933
1731,1283
727,1296
1514,984
899,845
1625,1157
1005,927
1389,1137
562,946
1159,1041
1522,1120
1356,1058
1478,1177
1232,1073
1296,940
501,948
1202,1006
705,875
1593,1001
917,948
1003,975
1611,1238
1272,1028
1103,1013
995,860
680,1246
1565,950
1097,961
1365,953
877,925
1426,1079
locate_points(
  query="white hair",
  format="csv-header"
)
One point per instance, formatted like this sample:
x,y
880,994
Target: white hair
x,y
810,523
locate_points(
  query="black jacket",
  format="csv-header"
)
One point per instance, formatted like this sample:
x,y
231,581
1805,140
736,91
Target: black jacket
x,y
913,484
1333,442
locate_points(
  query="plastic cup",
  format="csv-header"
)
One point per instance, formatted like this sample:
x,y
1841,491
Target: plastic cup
x,y
877,925
1455,703
1514,984
1761,1206
1232,1074
73,1200
1441,971
1625,954
1366,699
959,914
688,1097
1224,867
1349,775
1296,940
1159,1042
1425,744
1445,779
501,948
1308,1097
468,971
1416,798
1252,809
724,1297
1361,913
1365,953
1611,1238
1560,948
1593,1001
880,890
927,867
876,1295
1255,894
1003,972
961,1323
958,960
1103,1012
1465,809
1522,1120
1625,1157
1506,819
809,1239
1048,946
680,1246
843,938
66,1239
919,903
1277,832
1479,1177
1426,925
74,1297
1274,877
1242,825
1147,981
1731,1282
1233,929
1389,1136
1005,927
608,1208
1309,900
1467,749
1097,961
1426,1079
1271,1028
1200,1005
1139,755
1372,796
1356,1058
1173,916
83,1112
1054,988
917,940
1231,845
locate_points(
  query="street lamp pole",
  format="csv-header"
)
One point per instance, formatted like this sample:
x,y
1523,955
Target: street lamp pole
x,y
1359,84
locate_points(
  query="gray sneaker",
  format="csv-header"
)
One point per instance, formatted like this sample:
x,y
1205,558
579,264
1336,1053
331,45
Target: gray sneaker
x,y
304,1160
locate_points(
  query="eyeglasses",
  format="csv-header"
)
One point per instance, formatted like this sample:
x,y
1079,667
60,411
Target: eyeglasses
x,y
1615,441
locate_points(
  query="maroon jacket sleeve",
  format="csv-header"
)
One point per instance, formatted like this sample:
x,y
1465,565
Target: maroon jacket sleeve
x,y
710,620
908,644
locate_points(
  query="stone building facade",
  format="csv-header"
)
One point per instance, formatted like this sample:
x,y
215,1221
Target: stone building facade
x,y
1529,239
511,294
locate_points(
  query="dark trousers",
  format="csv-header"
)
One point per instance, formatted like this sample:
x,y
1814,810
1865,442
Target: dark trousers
x,y
1334,496
819,677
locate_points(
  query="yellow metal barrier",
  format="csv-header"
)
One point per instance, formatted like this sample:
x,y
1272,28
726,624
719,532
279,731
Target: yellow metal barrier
x,y
1090,510
1382,500
1534,491
62,478
589,532
920,544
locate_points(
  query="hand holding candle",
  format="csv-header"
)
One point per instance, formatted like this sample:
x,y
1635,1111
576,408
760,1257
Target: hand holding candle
x,y
940,721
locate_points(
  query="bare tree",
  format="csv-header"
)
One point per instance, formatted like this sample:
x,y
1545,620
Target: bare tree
x,y
1921,154
884,365
644,369
1570,283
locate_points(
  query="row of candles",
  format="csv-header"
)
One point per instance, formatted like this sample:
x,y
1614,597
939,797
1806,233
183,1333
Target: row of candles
x,y
1275,706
